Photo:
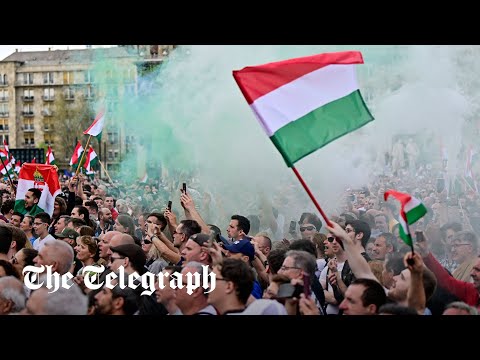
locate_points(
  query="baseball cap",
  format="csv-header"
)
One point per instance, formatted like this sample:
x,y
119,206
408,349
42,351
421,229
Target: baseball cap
x,y
200,239
134,253
67,233
241,246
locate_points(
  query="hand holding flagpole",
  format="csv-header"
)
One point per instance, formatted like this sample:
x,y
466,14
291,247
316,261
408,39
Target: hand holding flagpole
x,y
411,210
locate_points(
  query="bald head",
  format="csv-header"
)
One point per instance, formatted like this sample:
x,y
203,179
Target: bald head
x,y
120,239
104,244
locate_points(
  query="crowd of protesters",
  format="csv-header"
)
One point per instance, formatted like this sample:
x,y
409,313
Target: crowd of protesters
x,y
263,264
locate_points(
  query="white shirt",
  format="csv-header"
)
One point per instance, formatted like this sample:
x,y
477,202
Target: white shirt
x,y
38,243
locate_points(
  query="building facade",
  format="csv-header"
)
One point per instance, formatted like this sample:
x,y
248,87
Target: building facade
x,y
51,97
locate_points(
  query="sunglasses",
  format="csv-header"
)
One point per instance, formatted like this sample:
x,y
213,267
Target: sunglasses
x,y
147,242
330,239
309,228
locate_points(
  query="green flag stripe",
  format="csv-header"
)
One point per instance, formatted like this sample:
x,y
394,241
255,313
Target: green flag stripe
x,y
321,126
416,213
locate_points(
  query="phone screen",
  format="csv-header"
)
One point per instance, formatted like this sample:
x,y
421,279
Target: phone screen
x,y
293,226
419,236
184,187
169,206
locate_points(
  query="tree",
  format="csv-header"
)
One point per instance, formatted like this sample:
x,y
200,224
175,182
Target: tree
x,y
70,118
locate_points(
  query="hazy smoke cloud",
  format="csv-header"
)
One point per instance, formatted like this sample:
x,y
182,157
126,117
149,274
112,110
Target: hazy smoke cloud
x,y
193,118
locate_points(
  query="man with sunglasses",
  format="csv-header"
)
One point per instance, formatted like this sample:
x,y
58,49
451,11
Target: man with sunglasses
x,y
331,278
310,225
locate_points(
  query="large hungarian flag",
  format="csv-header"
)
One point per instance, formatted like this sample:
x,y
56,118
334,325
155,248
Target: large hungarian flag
x,y
305,103
77,153
91,160
411,210
50,160
97,126
43,177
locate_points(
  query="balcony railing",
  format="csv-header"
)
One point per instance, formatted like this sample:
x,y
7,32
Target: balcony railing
x,y
3,127
27,98
48,128
48,98
27,113
28,128
3,83
46,112
69,97
3,113
3,98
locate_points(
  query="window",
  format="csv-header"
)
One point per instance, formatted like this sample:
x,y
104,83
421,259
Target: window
x,y
3,95
68,77
48,94
3,125
3,138
70,94
88,77
115,154
89,92
110,155
49,140
47,124
47,110
28,109
28,125
112,137
29,140
48,78
3,79
3,109
27,78
28,94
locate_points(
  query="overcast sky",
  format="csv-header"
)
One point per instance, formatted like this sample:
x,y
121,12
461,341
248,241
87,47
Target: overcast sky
x,y
6,50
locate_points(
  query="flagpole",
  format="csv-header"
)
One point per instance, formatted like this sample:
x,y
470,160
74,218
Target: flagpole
x,y
317,205
8,175
106,172
410,261
83,155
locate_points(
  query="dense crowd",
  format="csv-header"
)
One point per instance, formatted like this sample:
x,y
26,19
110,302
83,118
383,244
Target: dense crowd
x,y
262,264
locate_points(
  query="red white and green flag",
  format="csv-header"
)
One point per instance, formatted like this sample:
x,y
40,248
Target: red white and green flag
x,y
411,210
77,153
5,145
4,154
6,168
49,158
91,160
305,103
43,177
18,166
97,126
